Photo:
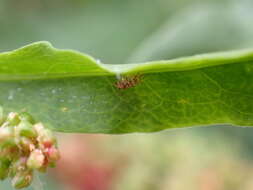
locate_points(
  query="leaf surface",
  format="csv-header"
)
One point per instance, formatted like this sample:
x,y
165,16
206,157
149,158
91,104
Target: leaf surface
x,y
72,92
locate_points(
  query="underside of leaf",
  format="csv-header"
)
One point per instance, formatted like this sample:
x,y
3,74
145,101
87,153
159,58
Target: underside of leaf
x,y
73,92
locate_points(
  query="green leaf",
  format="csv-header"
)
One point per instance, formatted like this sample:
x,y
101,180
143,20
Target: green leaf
x,y
72,92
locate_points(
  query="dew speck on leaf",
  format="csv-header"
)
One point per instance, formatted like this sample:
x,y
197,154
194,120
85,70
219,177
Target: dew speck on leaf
x,y
10,97
64,109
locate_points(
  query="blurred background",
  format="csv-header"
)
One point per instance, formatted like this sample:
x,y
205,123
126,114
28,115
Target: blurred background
x,y
119,32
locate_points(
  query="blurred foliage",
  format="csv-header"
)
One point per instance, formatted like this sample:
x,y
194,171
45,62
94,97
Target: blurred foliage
x,y
110,30
165,160
122,31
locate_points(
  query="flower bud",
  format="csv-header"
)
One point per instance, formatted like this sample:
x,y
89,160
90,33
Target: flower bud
x,y
22,179
4,168
1,116
6,136
11,153
46,138
39,127
27,144
52,165
5,133
36,159
18,166
24,116
43,168
52,154
26,129
13,119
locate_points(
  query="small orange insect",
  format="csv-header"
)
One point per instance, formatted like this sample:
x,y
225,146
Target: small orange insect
x,y
128,82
